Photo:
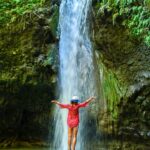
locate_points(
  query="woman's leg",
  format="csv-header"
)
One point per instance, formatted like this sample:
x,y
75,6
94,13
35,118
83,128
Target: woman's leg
x,y
75,132
70,131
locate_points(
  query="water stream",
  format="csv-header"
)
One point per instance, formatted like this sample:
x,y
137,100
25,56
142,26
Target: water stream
x,y
76,72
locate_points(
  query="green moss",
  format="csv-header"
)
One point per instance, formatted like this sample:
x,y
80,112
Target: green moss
x,y
54,21
112,89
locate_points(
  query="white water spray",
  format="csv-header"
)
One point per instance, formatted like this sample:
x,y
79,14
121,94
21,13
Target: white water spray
x,y
76,73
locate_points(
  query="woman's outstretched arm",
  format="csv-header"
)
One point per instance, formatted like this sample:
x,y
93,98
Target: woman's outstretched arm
x,y
60,104
90,99
85,103
55,102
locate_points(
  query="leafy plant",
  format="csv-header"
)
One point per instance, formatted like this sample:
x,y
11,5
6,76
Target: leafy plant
x,y
136,14
10,10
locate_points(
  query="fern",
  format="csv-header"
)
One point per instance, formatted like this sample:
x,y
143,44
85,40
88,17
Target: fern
x,y
11,9
137,14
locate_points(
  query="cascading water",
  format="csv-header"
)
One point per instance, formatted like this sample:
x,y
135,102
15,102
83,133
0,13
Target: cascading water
x,y
76,73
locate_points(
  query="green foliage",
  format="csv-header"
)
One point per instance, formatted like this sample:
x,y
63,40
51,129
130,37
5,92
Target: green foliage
x,y
111,92
10,10
136,14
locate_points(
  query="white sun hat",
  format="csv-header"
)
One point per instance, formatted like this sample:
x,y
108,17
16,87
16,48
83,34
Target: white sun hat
x,y
75,99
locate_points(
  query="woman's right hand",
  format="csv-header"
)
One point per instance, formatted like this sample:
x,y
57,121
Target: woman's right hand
x,y
91,99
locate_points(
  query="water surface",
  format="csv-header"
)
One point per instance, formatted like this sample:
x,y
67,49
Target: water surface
x,y
109,145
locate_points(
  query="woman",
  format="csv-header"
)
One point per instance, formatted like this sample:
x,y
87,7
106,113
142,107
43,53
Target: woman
x,y
73,118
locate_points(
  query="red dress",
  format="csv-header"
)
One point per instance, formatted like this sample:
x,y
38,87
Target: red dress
x,y
73,114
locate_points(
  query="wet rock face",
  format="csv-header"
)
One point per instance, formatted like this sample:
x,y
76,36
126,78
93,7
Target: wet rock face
x,y
129,60
29,64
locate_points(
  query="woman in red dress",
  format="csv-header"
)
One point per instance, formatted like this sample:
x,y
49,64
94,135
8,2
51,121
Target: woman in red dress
x,y
73,117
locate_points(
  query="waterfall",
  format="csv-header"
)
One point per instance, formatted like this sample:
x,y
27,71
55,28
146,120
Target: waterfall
x,y
76,72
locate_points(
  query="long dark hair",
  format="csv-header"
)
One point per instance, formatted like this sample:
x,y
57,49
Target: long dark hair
x,y
75,103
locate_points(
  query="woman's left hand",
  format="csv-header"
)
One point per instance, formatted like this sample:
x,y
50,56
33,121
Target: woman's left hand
x,y
92,98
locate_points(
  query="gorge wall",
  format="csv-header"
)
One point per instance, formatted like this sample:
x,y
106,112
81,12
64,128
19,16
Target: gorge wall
x,y
125,63
28,78
28,64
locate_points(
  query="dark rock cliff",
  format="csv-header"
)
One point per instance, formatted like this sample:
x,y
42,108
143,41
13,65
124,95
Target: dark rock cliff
x,y
125,61
28,64
28,77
